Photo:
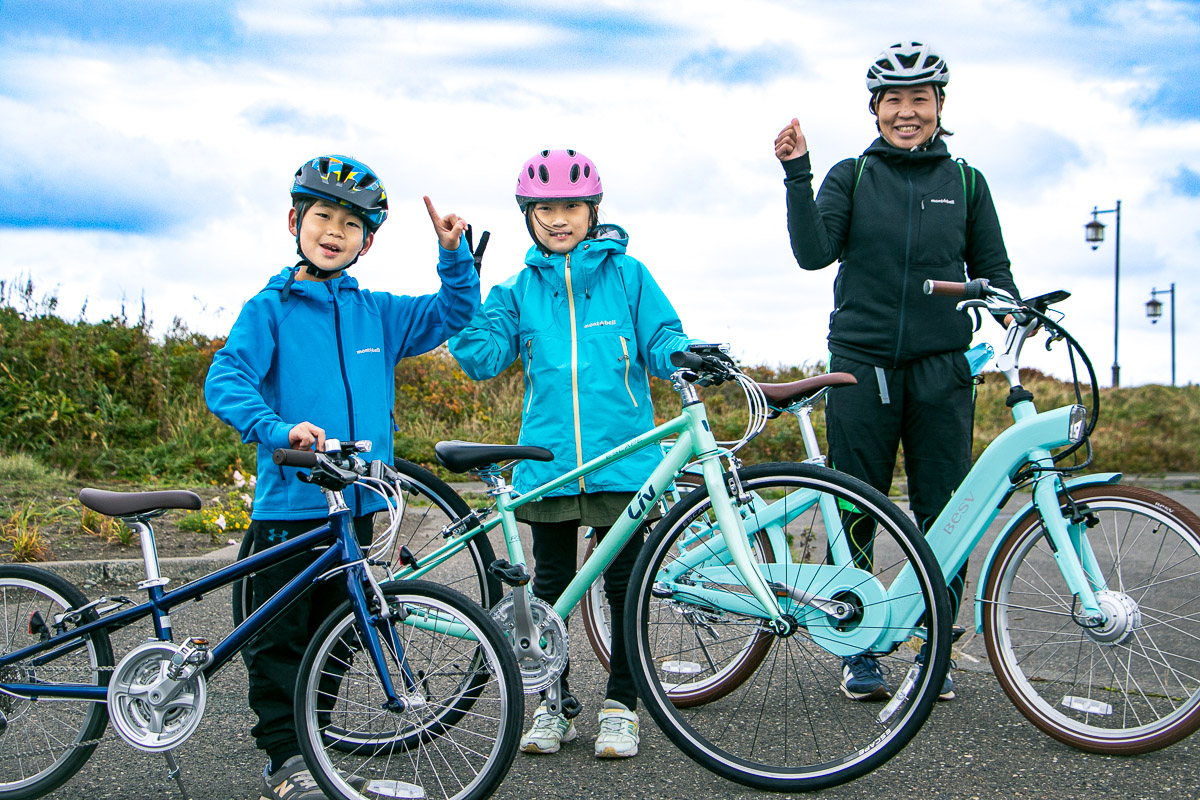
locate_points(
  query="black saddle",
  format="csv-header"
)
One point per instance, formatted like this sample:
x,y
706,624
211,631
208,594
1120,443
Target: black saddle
x,y
132,504
467,456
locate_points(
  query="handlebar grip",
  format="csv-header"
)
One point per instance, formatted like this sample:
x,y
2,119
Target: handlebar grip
x,y
294,458
971,290
687,360
946,288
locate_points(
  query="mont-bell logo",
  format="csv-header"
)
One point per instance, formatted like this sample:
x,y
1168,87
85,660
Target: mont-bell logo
x,y
367,350
944,200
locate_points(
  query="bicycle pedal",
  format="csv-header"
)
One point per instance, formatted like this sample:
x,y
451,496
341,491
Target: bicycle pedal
x,y
510,574
571,707
407,558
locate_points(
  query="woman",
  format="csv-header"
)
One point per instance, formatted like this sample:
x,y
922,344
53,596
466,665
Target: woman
x,y
899,214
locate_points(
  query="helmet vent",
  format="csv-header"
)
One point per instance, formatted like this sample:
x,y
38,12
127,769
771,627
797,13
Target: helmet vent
x,y
571,153
587,172
574,172
543,174
545,153
907,61
531,172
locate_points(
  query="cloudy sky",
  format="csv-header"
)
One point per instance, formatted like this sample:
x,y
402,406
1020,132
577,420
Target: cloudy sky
x,y
151,145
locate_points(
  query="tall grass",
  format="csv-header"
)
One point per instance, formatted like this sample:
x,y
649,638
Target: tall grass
x,y
107,400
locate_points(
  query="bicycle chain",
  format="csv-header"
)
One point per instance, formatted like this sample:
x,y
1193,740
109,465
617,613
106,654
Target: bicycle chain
x,y
76,745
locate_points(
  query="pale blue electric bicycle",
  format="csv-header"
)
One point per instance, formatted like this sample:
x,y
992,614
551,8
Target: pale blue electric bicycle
x,y
1088,601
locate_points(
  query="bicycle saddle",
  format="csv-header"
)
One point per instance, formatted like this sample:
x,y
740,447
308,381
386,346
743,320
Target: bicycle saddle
x,y
129,504
785,394
459,456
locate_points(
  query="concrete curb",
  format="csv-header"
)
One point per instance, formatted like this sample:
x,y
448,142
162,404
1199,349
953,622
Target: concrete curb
x,y
132,571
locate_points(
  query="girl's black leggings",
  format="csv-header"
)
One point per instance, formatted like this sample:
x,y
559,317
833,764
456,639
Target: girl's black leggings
x,y
554,565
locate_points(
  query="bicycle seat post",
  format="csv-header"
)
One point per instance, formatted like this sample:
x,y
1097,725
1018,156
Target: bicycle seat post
x,y
141,526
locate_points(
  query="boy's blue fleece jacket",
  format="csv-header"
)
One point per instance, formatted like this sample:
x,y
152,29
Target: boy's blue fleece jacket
x,y
326,353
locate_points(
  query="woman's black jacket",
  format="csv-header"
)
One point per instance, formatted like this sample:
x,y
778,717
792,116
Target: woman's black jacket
x,y
895,218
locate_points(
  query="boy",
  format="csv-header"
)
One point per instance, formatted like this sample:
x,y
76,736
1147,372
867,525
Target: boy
x,y
309,356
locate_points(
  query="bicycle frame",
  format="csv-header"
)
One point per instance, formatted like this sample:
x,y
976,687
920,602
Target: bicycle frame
x,y
693,441
344,553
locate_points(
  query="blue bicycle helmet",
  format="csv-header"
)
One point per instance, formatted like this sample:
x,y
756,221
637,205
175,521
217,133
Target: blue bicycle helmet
x,y
346,181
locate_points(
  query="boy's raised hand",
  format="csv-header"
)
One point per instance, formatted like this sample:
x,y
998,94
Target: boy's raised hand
x,y
449,228
790,142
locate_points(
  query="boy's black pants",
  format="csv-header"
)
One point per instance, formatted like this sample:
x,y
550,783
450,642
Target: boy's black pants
x,y
554,559
273,657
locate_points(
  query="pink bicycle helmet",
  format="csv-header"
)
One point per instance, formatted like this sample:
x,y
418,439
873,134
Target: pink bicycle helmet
x,y
558,175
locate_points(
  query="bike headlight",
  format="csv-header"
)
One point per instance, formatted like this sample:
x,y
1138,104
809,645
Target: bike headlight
x,y
1078,423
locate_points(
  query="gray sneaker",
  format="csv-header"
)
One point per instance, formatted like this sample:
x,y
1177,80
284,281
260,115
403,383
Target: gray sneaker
x,y
293,781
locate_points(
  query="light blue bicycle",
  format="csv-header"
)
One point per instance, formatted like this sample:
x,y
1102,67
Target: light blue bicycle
x,y
1088,601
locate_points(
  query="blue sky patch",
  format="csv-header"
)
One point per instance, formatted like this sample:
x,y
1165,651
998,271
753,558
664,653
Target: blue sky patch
x,y
189,26
1186,182
718,65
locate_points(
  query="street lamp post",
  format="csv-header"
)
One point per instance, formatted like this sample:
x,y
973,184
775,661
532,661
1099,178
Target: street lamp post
x,y
1094,231
1154,312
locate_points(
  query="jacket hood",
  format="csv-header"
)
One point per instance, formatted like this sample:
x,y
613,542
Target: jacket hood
x,y
587,257
285,281
933,150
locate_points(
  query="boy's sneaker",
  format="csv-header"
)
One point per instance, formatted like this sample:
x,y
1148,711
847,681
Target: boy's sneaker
x,y
548,732
618,731
293,781
947,692
862,679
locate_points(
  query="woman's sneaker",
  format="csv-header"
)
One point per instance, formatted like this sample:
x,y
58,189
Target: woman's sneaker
x,y
947,692
862,679
618,736
549,731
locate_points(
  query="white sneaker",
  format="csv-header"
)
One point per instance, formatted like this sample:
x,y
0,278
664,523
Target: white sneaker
x,y
548,732
618,731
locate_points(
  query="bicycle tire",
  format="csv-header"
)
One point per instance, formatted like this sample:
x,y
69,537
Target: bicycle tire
x,y
429,744
44,743
754,648
430,505
787,727
1135,695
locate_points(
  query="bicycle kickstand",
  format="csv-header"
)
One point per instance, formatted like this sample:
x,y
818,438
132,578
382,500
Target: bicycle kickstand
x,y
173,772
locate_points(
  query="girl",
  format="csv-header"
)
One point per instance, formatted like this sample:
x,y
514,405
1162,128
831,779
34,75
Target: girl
x,y
590,325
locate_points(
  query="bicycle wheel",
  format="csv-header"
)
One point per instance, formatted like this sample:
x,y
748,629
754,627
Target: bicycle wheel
x,y
430,505
788,726
44,742
1130,686
709,681
459,733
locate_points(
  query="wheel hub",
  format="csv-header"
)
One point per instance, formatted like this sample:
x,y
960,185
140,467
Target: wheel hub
x,y
1122,618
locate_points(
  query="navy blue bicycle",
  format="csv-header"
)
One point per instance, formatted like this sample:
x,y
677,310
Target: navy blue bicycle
x,y
409,689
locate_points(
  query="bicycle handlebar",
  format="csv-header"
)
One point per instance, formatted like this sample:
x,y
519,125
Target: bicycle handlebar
x,y
305,459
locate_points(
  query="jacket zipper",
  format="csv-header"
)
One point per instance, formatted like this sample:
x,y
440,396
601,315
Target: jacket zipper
x,y
904,277
337,335
625,351
529,376
574,370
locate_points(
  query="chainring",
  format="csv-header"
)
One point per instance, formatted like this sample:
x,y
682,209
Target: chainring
x,y
536,673
150,710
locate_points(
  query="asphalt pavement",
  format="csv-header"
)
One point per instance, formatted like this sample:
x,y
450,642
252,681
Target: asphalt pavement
x,y
977,746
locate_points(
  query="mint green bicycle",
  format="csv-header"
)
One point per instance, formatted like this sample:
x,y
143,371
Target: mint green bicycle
x,y
747,639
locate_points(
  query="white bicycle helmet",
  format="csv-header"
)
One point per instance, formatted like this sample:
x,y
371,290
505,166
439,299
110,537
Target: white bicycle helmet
x,y
907,64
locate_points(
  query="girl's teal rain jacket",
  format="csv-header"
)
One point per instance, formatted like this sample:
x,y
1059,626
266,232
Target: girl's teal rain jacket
x,y
589,327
